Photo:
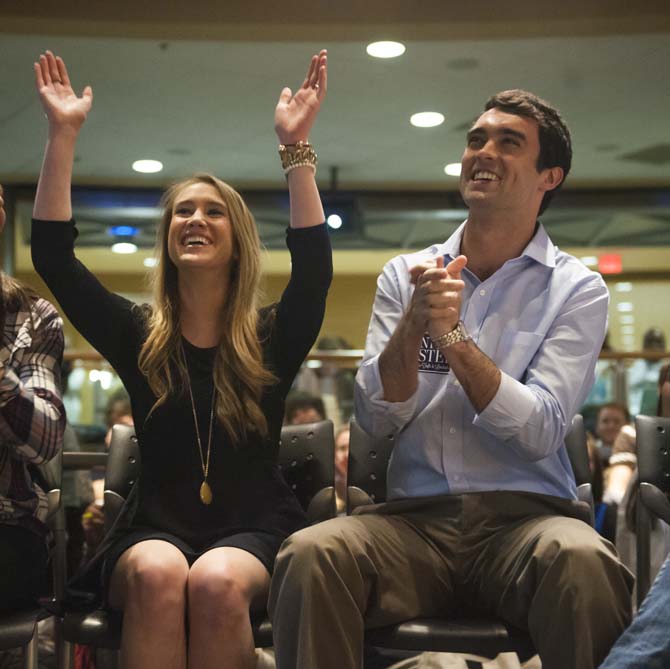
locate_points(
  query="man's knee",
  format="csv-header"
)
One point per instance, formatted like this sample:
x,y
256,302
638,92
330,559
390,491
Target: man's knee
x,y
589,567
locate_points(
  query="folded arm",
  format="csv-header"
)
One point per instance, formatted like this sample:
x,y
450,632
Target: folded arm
x,y
32,417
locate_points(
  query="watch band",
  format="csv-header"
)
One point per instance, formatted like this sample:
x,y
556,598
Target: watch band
x,y
459,333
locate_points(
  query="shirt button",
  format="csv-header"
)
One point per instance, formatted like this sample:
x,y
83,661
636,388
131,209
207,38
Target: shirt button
x,y
452,430
482,292
457,478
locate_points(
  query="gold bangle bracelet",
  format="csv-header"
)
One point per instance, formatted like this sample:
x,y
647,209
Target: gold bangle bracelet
x,y
300,154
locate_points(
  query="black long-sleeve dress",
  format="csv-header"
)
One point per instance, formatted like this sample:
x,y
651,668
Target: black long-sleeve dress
x,y
253,507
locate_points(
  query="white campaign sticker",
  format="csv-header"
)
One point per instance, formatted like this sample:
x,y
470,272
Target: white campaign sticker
x,y
430,358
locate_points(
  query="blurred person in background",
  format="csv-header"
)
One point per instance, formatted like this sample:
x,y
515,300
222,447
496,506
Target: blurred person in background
x,y
643,375
611,417
302,407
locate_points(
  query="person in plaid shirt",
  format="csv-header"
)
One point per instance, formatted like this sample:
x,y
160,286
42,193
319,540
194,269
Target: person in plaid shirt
x,y
32,420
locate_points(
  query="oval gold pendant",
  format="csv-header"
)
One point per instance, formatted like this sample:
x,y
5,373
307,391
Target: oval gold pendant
x,y
206,493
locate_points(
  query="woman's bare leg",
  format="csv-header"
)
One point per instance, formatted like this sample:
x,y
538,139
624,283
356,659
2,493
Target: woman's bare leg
x,y
149,585
222,586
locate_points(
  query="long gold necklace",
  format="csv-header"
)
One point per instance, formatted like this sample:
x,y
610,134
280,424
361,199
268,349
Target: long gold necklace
x,y
206,495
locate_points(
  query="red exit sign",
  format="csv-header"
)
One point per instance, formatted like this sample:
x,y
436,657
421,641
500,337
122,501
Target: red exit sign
x,y
610,263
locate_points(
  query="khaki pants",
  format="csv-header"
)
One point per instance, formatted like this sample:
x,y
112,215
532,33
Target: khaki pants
x,y
525,558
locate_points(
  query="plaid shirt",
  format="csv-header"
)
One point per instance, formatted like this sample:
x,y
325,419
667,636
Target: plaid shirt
x,y
32,417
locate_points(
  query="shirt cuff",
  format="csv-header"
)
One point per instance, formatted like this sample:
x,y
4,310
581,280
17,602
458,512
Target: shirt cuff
x,y
508,411
371,391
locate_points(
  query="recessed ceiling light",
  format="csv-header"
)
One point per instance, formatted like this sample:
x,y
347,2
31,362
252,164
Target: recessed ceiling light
x,y
334,221
589,261
150,262
147,166
385,49
624,307
426,119
453,169
124,247
623,286
626,319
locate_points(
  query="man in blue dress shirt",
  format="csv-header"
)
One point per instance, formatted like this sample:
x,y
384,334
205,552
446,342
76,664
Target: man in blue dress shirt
x,y
479,352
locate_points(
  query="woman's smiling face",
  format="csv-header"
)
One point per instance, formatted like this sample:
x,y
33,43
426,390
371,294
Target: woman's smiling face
x,y
200,234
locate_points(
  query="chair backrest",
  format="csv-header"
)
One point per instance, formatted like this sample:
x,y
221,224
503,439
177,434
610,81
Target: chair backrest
x,y
653,462
369,456
123,469
578,452
366,469
652,437
307,461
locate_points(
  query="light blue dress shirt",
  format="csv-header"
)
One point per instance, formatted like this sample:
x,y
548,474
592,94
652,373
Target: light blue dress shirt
x,y
542,319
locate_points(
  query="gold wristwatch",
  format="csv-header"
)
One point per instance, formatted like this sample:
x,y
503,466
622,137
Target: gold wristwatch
x,y
459,333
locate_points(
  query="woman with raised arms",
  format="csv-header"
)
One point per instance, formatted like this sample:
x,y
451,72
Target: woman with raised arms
x,y
207,371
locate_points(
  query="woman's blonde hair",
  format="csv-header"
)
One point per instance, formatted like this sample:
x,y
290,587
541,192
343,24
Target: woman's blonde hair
x,y
239,374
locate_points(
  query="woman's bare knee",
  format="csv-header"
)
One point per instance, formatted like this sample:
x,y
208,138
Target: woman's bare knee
x,y
151,575
225,583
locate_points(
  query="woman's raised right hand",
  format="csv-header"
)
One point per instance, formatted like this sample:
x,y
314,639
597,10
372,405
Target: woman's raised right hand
x,y
64,110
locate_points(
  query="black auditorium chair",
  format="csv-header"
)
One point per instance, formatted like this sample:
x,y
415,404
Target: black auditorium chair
x,y
19,628
306,457
366,478
575,442
653,465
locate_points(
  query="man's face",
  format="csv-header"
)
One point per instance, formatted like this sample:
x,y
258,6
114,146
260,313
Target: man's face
x,y
610,421
499,165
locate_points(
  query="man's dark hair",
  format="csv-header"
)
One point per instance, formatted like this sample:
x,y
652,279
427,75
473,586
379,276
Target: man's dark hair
x,y
653,340
297,400
617,406
555,142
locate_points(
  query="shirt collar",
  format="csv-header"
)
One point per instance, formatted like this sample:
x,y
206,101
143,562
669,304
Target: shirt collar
x,y
540,247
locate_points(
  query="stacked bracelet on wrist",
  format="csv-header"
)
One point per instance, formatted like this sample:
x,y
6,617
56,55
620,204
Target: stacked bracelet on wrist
x,y
300,154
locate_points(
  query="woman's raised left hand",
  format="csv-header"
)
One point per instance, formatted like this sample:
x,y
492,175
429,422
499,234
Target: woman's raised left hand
x,y
295,114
